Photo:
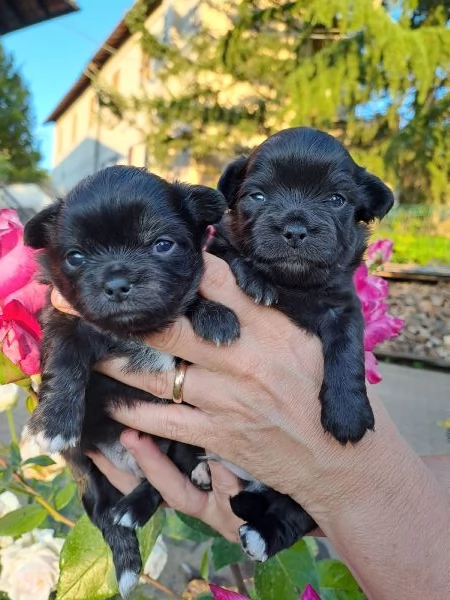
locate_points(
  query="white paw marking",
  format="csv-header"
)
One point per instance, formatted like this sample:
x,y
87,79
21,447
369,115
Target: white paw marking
x,y
127,582
56,444
164,362
253,543
126,520
201,475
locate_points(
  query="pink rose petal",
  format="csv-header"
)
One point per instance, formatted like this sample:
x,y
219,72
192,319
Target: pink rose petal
x,y
220,593
310,594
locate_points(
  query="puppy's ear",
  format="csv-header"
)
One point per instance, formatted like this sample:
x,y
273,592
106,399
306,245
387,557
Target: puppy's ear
x,y
231,178
206,205
376,199
38,230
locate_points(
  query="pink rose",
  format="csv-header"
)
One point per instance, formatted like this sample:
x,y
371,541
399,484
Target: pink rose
x,y
17,264
309,594
379,252
378,324
223,594
20,296
20,336
220,593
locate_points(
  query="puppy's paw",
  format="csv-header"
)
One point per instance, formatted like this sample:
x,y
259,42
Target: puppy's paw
x,y
50,436
215,322
127,581
253,543
253,283
348,419
201,476
249,505
129,514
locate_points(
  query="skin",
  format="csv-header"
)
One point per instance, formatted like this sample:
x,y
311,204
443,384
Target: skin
x,y
373,500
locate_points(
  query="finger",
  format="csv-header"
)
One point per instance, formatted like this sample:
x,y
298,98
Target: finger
x,y
124,481
175,488
174,422
61,303
198,385
219,284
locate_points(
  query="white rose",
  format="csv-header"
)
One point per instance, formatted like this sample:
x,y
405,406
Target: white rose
x,y
29,448
30,565
157,559
8,503
10,393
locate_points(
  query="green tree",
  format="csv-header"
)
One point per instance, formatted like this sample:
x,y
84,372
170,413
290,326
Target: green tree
x,y
375,73
19,156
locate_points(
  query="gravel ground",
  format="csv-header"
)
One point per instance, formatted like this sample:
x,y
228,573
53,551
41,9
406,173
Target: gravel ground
x,y
425,307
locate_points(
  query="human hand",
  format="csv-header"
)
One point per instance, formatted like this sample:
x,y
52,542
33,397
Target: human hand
x,y
213,508
254,403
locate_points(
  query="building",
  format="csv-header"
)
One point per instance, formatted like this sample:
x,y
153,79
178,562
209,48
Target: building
x,y
87,137
16,14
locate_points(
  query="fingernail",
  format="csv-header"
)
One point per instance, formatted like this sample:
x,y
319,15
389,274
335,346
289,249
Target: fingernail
x,y
128,439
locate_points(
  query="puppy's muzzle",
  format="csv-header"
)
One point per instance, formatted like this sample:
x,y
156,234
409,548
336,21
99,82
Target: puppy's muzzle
x,y
117,288
294,233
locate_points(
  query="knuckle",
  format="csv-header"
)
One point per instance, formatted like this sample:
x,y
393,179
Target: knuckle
x,y
252,366
217,274
169,338
161,385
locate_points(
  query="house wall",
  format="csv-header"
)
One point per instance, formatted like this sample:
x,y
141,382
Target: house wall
x,y
88,137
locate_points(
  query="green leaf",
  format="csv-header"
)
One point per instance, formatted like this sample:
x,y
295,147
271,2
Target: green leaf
x,y
86,567
148,534
65,495
9,372
204,565
286,574
336,582
41,461
225,553
198,526
176,529
22,520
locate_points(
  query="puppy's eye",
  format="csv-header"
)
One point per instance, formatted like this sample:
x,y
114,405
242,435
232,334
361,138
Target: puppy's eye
x,y
163,245
337,200
258,197
75,259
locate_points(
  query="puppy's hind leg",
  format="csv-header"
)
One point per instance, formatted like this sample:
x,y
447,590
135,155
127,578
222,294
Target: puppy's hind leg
x,y
99,499
137,507
274,522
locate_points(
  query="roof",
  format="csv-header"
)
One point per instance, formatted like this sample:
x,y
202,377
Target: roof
x,y
16,14
115,40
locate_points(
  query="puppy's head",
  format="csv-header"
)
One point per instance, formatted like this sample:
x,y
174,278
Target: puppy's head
x,y
300,205
124,247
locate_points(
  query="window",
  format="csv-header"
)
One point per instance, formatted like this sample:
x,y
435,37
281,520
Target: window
x,y
93,111
145,67
59,138
74,127
116,79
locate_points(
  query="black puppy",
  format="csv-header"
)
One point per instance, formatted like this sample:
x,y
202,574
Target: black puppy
x,y
124,248
296,230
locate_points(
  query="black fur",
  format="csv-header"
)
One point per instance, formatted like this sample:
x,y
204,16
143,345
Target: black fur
x,y
297,229
99,247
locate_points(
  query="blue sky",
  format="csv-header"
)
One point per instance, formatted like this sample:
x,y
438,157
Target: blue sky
x,y
52,55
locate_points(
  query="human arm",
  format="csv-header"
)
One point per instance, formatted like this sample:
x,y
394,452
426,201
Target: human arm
x,y
380,506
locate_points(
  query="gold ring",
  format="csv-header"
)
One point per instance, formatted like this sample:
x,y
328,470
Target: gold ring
x,y
180,373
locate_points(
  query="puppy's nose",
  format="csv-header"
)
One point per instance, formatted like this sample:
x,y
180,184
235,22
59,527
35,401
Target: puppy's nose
x,y
117,288
294,233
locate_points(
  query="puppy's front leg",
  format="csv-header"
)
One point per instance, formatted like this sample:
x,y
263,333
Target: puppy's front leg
x,y
346,411
213,321
57,421
251,281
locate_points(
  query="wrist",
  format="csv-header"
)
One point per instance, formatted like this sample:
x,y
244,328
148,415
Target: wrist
x,y
378,503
